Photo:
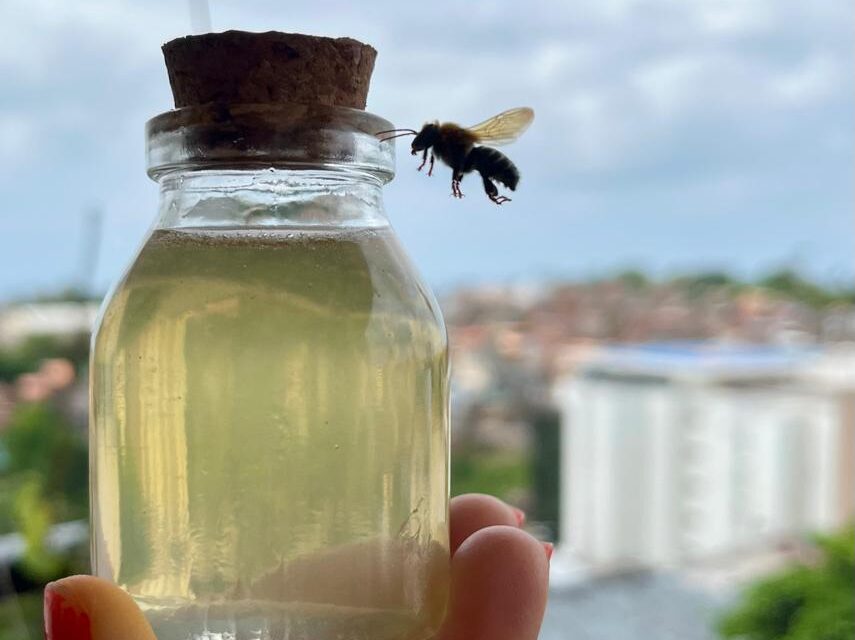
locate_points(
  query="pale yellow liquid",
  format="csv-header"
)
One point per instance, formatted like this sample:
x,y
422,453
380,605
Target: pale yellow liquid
x,y
269,437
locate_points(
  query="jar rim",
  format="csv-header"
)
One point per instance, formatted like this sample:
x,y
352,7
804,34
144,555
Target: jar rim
x,y
279,135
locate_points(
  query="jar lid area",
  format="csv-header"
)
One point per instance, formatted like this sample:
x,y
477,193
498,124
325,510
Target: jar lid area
x,y
282,135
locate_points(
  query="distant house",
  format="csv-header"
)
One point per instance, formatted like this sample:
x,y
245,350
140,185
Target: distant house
x,y
678,452
20,321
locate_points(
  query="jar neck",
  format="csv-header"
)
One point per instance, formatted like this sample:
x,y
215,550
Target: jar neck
x,y
268,197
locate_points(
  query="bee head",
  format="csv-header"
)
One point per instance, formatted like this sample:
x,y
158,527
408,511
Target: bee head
x,y
425,138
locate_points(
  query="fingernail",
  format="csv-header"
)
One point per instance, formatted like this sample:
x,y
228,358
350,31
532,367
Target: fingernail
x,y
549,548
63,620
519,514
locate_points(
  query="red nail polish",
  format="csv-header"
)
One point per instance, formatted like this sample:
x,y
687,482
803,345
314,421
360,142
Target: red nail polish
x,y
519,514
549,548
63,620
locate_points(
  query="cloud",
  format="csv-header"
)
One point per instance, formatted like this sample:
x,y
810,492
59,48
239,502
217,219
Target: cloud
x,y
671,84
19,139
35,34
649,111
735,17
811,81
556,58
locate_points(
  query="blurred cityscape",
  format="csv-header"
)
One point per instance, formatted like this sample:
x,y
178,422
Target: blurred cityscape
x,y
689,443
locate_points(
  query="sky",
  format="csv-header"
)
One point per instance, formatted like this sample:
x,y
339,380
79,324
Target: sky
x,y
670,135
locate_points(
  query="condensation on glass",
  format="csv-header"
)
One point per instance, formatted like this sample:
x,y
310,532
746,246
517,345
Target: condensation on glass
x,y
269,431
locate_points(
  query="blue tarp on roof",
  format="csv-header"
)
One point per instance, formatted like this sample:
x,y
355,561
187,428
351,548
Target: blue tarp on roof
x,y
669,358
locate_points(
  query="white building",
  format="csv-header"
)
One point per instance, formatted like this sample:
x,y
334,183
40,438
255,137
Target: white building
x,y
18,322
672,453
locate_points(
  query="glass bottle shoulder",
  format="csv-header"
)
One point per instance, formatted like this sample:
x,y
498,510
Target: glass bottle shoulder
x,y
305,281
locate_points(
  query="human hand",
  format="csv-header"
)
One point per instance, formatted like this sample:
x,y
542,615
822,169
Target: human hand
x,y
499,578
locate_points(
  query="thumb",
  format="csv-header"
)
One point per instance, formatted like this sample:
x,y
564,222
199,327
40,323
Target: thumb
x,y
499,578
90,608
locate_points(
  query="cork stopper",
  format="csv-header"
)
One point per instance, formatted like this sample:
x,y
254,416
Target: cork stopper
x,y
239,67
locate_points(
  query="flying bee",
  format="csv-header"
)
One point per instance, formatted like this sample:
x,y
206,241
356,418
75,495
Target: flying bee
x,y
461,148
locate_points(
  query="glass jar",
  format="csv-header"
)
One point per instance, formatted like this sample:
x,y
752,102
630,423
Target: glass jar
x,y
269,430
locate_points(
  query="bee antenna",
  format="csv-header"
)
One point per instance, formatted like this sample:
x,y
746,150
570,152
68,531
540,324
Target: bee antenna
x,y
380,133
398,135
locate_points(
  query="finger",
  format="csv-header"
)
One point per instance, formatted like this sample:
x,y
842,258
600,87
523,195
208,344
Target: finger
x,y
474,511
499,581
90,608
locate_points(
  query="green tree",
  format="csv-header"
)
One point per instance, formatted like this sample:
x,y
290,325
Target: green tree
x,y
69,294
498,473
546,470
815,602
791,285
34,516
699,284
46,469
633,278
28,355
39,440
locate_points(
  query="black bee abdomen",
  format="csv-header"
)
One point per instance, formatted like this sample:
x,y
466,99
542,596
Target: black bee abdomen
x,y
494,165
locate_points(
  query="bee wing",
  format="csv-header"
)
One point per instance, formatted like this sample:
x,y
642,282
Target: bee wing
x,y
503,128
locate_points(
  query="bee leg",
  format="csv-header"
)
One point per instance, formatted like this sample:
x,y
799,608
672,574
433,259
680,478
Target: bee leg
x,y
493,192
455,184
430,169
459,175
424,160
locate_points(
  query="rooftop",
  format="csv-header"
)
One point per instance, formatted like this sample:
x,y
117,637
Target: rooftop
x,y
701,359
